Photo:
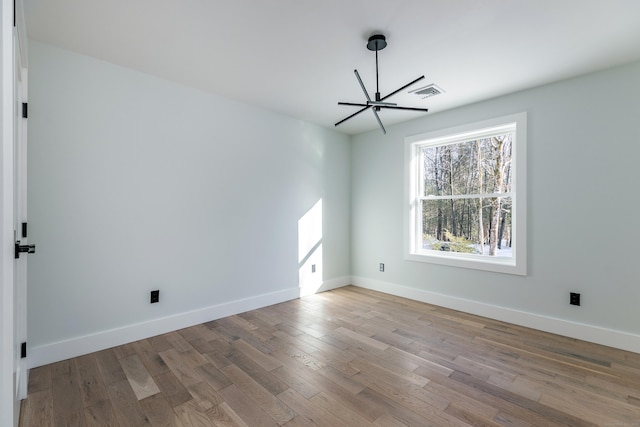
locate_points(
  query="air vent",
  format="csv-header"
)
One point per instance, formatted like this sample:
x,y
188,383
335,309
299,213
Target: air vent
x,y
427,91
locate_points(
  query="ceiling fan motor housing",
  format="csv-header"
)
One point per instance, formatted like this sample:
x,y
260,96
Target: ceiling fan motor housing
x,y
377,42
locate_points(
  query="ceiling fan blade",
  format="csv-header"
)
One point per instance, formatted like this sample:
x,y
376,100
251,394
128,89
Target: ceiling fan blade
x,y
354,104
404,108
369,102
365,107
354,114
375,113
402,88
362,85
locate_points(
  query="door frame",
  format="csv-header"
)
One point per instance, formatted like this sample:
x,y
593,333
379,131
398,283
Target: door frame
x,y
20,84
7,338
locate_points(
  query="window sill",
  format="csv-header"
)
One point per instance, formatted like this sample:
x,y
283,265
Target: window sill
x,y
475,262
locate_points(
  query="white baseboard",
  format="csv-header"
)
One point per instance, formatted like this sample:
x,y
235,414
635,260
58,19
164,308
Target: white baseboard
x,y
327,285
55,352
77,346
581,331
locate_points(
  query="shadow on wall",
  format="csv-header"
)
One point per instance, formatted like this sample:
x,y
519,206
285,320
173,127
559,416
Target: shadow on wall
x,y
310,250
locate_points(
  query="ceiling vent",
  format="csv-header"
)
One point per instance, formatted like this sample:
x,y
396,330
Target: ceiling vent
x,y
427,91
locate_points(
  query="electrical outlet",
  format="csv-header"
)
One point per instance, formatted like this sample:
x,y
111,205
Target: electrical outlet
x,y
313,268
155,296
574,298
382,267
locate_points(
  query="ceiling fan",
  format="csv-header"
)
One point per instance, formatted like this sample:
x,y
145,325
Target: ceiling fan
x,y
378,42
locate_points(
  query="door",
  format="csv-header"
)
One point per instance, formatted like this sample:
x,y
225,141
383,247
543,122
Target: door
x,y
12,274
20,215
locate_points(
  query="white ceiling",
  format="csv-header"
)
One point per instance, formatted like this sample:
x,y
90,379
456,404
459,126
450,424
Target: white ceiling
x,y
297,56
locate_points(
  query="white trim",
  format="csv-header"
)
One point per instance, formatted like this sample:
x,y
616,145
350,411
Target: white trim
x,y
21,29
517,264
465,196
477,130
327,285
8,402
476,262
62,350
20,81
581,331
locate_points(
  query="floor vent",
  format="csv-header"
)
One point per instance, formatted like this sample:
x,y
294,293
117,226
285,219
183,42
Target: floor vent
x,y
427,91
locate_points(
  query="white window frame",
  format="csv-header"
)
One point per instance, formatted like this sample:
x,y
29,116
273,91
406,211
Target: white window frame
x,y
517,264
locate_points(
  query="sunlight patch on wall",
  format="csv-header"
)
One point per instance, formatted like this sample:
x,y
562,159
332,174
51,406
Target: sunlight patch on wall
x,y
310,250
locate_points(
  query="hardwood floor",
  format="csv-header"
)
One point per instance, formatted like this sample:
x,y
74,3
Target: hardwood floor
x,y
349,357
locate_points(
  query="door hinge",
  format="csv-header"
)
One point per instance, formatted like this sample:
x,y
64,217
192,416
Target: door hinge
x,y
23,350
24,230
25,110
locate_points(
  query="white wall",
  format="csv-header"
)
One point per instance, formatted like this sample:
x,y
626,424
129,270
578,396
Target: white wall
x,y
583,233
136,183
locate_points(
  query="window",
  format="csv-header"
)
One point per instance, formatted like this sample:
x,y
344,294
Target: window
x,y
467,196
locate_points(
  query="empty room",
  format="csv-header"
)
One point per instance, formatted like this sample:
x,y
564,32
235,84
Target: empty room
x,y
331,213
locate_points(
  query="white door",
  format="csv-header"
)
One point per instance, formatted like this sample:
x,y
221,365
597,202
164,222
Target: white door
x,y
12,277
20,215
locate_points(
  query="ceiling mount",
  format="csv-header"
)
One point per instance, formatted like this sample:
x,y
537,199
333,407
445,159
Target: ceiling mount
x,y
375,43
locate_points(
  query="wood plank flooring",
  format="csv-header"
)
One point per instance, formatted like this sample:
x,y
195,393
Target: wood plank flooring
x,y
349,357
